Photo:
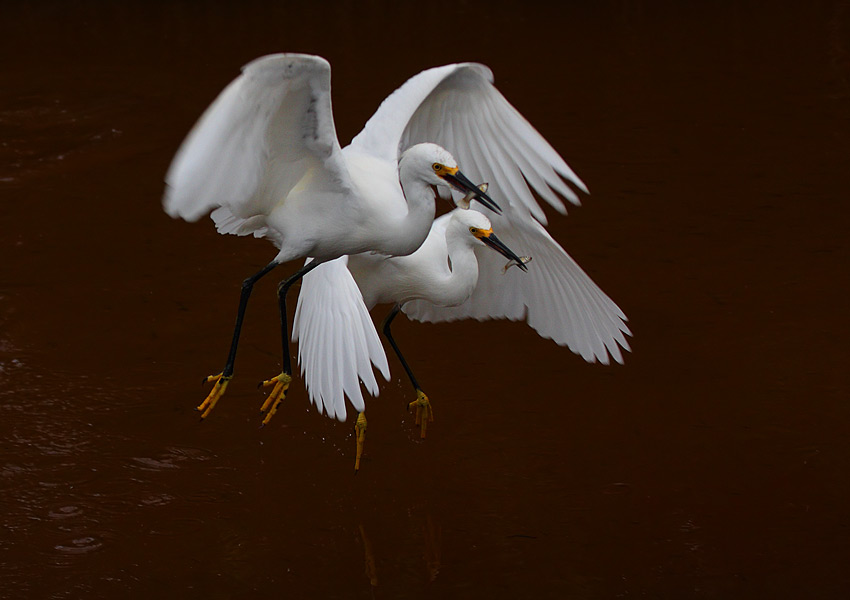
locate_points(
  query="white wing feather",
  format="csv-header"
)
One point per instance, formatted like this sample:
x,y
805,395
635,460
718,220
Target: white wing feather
x,y
339,343
557,298
382,134
458,107
268,129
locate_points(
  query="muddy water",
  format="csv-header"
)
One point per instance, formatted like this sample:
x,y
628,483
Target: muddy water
x,y
713,464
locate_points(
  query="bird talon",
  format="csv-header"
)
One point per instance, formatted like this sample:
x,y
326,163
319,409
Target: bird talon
x,y
424,411
280,385
360,435
215,394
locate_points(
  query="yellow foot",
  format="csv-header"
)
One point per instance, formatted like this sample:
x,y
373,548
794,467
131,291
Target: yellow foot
x,y
424,412
277,395
360,435
217,392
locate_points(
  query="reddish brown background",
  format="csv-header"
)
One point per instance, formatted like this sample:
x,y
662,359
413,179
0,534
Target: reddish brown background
x,y
714,139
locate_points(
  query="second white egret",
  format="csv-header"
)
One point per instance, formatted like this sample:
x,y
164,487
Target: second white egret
x,y
443,271
447,279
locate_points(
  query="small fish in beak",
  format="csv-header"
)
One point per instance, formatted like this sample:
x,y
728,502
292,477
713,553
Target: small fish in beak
x,y
523,260
470,196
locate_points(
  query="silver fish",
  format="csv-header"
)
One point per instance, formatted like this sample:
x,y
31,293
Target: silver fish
x,y
512,263
470,196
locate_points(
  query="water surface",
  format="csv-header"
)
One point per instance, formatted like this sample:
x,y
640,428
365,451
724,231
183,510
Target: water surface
x,y
712,464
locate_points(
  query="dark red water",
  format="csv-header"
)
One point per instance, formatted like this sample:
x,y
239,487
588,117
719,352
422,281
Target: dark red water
x,y
714,464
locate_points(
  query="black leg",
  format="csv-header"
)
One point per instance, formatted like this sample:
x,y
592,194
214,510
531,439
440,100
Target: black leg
x,y
282,289
280,383
386,328
247,286
223,378
424,412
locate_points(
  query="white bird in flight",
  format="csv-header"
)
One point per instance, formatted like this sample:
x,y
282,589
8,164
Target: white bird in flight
x,y
448,278
264,157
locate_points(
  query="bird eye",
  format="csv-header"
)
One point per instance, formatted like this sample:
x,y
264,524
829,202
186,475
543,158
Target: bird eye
x,y
437,167
473,230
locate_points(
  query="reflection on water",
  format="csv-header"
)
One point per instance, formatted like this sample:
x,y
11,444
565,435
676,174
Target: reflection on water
x,y
371,572
422,531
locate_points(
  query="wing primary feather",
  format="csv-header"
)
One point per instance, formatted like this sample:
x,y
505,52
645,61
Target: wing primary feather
x,y
544,169
520,156
584,345
338,342
527,131
532,177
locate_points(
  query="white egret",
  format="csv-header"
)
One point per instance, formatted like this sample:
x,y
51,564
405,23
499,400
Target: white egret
x,y
264,157
444,282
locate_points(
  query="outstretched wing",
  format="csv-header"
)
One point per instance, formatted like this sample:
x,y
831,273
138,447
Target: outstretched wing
x,y
338,340
270,129
458,107
557,298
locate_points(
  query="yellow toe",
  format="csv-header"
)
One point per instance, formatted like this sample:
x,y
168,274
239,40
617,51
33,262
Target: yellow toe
x,y
360,435
215,394
279,385
424,411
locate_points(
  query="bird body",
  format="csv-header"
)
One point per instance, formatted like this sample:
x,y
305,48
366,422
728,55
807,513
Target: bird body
x,y
389,210
265,158
442,271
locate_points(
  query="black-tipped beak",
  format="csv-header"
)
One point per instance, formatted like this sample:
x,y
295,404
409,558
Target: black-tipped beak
x,y
460,181
497,245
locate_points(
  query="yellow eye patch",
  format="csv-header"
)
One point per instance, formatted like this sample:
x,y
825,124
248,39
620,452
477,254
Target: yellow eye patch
x,y
480,233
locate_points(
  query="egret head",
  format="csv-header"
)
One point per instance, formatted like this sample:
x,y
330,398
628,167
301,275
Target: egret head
x,y
476,228
436,166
